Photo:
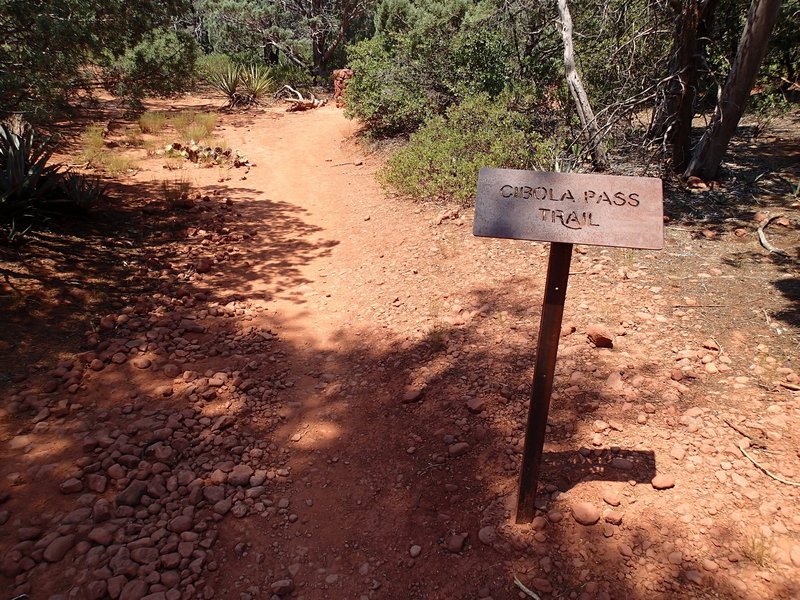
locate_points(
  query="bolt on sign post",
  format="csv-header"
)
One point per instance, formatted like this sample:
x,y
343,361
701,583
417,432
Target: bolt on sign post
x,y
564,209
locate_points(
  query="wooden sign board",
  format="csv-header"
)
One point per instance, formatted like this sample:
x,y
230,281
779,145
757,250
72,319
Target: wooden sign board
x,y
566,209
597,210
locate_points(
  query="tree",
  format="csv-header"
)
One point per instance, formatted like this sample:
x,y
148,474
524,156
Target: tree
x,y
307,32
672,120
48,47
709,151
582,104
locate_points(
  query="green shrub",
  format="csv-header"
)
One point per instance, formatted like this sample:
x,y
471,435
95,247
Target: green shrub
x,y
425,56
442,159
209,64
289,74
163,64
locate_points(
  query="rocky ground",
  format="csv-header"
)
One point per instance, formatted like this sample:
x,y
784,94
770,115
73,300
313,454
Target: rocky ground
x,y
307,390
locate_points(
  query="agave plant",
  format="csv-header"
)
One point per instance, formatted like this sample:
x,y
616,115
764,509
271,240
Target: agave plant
x,y
226,81
25,177
81,191
257,82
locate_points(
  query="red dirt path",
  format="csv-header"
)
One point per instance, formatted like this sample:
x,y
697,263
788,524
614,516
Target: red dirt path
x,y
326,303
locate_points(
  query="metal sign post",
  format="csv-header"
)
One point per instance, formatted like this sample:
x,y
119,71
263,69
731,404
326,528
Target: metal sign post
x,y
564,209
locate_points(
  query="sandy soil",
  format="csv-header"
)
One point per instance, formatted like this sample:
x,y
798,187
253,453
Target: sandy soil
x,y
302,388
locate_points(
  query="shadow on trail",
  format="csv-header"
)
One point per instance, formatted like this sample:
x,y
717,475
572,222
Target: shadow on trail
x,y
365,476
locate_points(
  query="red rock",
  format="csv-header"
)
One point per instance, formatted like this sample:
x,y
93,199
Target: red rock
x,y
71,486
694,576
600,336
476,405
132,494
100,535
487,535
455,543
141,362
412,395
96,590
97,365
180,524
585,513
282,587
56,550
204,265
663,482
340,77
96,483
458,449
240,475
136,589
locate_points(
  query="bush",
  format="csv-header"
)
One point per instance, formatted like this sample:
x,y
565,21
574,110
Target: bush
x,y
164,63
442,159
425,56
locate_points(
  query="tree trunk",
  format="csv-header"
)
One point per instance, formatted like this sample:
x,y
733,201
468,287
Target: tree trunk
x,y
584,108
672,119
752,47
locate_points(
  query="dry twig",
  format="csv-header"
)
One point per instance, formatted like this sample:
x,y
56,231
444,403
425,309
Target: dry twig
x,y
753,441
525,590
763,468
762,236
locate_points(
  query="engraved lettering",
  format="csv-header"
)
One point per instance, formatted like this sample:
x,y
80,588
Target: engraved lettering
x,y
619,199
544,212
540,193
526,192
572,221
567,195
633,199
603,198
506,191
588,195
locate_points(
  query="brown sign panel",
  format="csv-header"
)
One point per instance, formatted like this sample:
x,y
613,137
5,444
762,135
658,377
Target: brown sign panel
x,y
597,210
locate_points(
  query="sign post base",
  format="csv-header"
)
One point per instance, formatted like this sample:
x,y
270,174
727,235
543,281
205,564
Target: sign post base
x,y
546,351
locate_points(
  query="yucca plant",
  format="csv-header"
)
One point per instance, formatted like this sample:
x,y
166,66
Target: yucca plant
x,y
81,191
25,177
257,82
226,81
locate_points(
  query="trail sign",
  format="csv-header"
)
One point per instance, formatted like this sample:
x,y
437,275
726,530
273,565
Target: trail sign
x,y
599,210
565,209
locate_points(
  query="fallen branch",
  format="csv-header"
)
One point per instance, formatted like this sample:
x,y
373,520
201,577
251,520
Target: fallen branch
x,y
763,468
762,237
299,103
525,590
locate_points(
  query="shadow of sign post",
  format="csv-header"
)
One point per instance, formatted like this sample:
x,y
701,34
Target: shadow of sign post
x,y
564,209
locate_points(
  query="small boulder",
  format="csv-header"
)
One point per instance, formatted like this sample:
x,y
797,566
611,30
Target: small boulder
x,y
663,482
600,336
585,513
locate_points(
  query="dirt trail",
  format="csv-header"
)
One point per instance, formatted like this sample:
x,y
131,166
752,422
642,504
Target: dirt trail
x,y
333,406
